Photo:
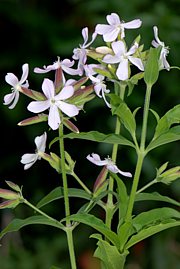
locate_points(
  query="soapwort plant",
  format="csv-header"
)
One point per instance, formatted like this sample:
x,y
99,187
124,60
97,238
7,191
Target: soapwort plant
x,y
110,72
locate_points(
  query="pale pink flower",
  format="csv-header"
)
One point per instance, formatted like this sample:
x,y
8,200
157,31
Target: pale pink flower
x,y
54,103
115,27
65,64
12,98
80,53
110,165
164,50
123,57
29,159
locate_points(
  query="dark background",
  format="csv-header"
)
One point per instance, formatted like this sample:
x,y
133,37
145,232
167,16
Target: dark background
x,y
36,32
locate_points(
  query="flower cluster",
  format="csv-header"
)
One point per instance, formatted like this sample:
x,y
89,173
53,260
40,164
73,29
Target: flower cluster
x,y
64,98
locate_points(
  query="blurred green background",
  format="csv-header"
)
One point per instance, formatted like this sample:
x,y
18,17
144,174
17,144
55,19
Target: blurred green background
x,y
36,32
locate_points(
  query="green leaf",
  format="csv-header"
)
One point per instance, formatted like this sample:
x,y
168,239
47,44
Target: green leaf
x,y
155,196
58,193
170,118
151,71
122,196
170,136
17,224
147,232
109,255
154,216
155,114
100,137
96,224
124,232
125,115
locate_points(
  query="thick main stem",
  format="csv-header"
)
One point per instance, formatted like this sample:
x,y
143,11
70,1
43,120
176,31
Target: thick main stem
x,y
66,200
141,154
120,90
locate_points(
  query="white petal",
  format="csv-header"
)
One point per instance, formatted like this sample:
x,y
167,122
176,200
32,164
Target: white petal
x,y
137,62
102,29
11,79
113,168
48,88
25,73
68,109
40,142
113,19
122,71
111,59
54,118
111,35
28,158
38,106
40,70
15,100
95,158
118,47
85,35
65,93
132,24
67,63
8,98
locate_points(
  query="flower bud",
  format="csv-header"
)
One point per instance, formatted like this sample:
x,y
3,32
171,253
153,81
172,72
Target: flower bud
x,y
33,94
100,181
13,186
9,204
104,50
36,119
7,194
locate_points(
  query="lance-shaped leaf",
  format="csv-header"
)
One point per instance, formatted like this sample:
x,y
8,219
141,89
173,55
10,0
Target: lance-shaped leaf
x,y
151,71
149,231
170,118
36,119
125,115
58,193
155,196
17,224
97,224
170,136
100,137
109,255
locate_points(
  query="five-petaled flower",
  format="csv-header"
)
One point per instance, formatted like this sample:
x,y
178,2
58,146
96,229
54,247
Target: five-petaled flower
x,y
110,165
29,159
12,98
115,27
54,103
123,57
164,50
65,64
80,53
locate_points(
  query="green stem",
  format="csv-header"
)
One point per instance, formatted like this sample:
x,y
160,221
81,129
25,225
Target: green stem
x,y
120,90
141,154
38,210
147,186
64,177
66,200
81,183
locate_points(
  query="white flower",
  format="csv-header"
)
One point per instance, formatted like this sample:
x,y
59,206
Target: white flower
x,y
29,159
123,57
115,27
54,103
66,65
12,98
110,165
164,50
80,53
